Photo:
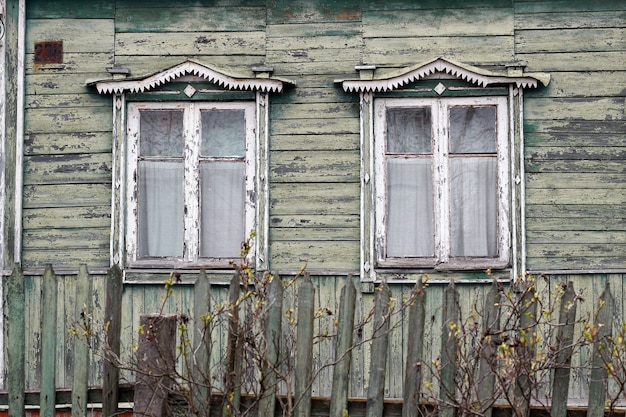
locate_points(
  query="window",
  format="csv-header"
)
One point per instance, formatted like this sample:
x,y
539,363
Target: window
x,y
442,188
191,183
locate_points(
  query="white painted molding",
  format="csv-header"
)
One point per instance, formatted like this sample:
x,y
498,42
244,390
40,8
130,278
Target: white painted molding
x,y
445,68
150,82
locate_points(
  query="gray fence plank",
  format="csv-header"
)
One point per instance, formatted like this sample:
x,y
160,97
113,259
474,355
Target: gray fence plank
x,y
14,293
380,345
491,327
269,369
448,349
528,320
113,322
202,346
82,309
415,347
304,348
48,343
230,373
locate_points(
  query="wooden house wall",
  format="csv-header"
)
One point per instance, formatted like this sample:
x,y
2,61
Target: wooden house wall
x,y
575,147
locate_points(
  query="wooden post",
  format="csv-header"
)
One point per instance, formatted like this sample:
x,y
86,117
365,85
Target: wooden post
x,y
230,376
380,344
202,346
304,348
415,347
156,359
528,321
564,338
345,332
599,376
82,309
272,346
113,323
47,397
491,326
449,348
14,293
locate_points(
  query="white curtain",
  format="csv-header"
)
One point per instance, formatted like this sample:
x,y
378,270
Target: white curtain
x,y
160,206
473,206
222,199
410,226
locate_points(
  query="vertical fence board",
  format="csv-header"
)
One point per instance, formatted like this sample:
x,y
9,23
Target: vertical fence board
x,y
272,346
343,352
304,347
448,348
565,336
113,324
14,293
48,343
202,346
231,386
415,347
380,344
491,327
599,375
523,384
82,309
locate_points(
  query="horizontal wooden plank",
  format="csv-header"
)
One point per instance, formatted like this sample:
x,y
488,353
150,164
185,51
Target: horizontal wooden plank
x,y
315,110
180,19
570,20
67,195
576,153
473,50
67,168
140,65
570,40
67,217
576,236
329,220
574,108
578,126
313,233
303,42
330,93
591,224
574,196
582,84
67,143
314,198
59,83
75,119
345,29
286,11
577,211
312,142
560,6
191,43
566,249
536,139
314,166
576,180
433,4
59,9
327,57
315,126
441,22
66,239
78,35
73,63
577,263
64,259
573,61
574,166
326,255
36,101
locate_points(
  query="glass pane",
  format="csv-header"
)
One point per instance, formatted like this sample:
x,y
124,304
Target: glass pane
x,y
222,203
473,207
410,223
409,130
161,133
223,133
473,129
160,211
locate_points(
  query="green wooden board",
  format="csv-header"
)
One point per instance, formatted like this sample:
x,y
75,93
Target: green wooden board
x,y
69,168
78,35
67,143
315,166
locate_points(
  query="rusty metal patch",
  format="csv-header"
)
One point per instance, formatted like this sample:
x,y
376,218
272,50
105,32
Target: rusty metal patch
x,y
49,52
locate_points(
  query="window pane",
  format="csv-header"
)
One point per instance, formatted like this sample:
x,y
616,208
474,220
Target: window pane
x,y
222,209
473,129
409,130
410,229
473,207
160,208
223,133
161,133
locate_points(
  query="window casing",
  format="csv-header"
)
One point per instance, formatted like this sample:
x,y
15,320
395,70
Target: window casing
x,y
442,170
190,183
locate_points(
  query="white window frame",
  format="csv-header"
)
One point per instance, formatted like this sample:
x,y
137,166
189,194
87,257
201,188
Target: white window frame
x,y
192,132
440,138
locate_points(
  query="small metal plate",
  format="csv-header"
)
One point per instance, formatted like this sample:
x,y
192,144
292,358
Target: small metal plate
x,y
49,52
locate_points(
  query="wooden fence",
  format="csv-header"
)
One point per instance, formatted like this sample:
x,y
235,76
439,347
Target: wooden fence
x,y
152,379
